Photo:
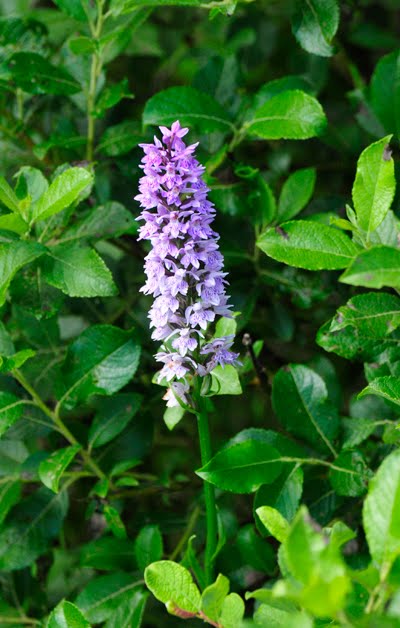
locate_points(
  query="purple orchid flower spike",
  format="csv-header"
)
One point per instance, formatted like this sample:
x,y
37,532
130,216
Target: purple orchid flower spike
x,y
184,267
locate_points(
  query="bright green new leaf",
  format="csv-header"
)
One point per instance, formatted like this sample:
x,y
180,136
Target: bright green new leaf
x,y
282,495
213,598
14,256
291,115
381,512
308,244
374,268
296,193
78,271
173,585
52,468
100,361
386,387
63,191
172,416
189,106
148,546
243,466
274,522
11,409
113,416
300,400
7,196
66,615
314,24
374,185
225,381
232,611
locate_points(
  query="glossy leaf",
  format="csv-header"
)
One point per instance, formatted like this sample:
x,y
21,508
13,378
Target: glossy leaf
x,y
376,267
291,115
78,271
353,480
386,387
64,190
14,256
189,106
374,185
314,24
308,244
103,595
67,615
300,400
7,196
243,466
112,417
52,468
11,409
101,361
35,75
385,92
296,193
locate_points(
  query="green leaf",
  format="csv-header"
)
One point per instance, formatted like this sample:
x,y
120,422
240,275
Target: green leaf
x,y
296,193
374,185
173,415
232,611
66,615
314,24
254,551
318,566
126,6
52,468
114,521
308,244
110,220
11,410
7,196
113,416
213,598
242,467
13,222
300,400
73,8
386,387
225,381
279,617
108,553
82,45
283,495
111,96
120,139
14,256
33,524
189,106
129,613
105,594
356,430
78,271
100,361
10,494
381,512
291,115
35,75
173,585
274,522
148,546
374,268
353,480
385,92
64,190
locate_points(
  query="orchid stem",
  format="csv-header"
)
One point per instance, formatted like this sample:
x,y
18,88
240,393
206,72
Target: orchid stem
x,y
209,493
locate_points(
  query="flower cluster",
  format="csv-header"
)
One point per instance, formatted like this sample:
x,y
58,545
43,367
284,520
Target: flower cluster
x,y
184,267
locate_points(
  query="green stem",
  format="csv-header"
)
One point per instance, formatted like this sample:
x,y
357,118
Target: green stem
x,y
95,71
209,494
58,422
187,534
